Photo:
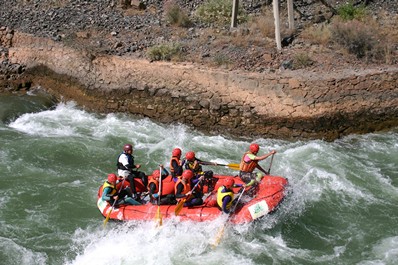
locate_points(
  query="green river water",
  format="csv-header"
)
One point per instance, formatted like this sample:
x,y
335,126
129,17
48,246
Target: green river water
x,y
342,208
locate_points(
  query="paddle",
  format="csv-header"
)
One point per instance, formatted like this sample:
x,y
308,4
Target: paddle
x,y
183,200
158,216
113,205
221,231
270,164
231,166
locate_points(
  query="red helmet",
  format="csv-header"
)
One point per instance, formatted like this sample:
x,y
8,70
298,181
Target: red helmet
x,y
187,174
254,148
176,152
156,174
127,147
112,178
190,156
229,182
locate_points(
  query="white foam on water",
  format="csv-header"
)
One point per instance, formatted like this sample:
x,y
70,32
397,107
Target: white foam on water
x,y
383,252
13,253
144,243
59,122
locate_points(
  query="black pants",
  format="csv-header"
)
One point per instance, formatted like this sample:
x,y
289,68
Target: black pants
x,y
166,200
140,175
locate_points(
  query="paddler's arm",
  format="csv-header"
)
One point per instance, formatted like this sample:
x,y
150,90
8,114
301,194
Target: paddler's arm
x,y
259,158
106,195
225,202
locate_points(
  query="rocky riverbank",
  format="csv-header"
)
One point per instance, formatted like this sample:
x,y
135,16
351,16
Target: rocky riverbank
x,y
325,102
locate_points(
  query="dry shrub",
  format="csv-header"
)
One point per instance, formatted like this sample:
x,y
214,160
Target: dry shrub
x,y
175,15
221,59
263,24
389,31
302,60
317,34
255,31
364,40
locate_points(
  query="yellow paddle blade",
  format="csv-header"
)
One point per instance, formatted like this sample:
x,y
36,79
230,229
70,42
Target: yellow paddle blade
x,y
179,206
107,217
158,217
219,236
233,166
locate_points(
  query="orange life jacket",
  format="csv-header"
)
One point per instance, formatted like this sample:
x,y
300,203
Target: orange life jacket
x,y
156,182
247,166
174,158
187,187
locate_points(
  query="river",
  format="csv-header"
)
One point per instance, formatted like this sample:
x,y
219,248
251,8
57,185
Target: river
x,y
342,208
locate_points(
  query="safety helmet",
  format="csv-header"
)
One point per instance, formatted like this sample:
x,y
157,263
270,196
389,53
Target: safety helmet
x,y
156,174
127,147
187,174
254,148
190,156
176,152
112,178
229,182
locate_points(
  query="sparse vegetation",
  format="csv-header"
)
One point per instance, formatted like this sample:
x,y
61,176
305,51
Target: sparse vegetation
x,y
218,12
176,16
264,24
350,12
221,59
362,40
368,32
317,34
165,52
302,60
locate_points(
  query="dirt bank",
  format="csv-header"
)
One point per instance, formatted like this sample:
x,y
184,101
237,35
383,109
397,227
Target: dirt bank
x,y
284,104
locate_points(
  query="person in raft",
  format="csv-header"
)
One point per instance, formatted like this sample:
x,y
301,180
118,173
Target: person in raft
x,y
111,194
225,194
127,169
249,162
183,189
153,188
194,164
176,164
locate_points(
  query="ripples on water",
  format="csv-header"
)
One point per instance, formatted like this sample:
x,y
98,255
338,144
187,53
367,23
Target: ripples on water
x,y
341,209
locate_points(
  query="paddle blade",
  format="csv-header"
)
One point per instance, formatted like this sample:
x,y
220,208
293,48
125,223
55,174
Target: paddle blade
x,y
179,206
219,236
158,217
107,217
233,166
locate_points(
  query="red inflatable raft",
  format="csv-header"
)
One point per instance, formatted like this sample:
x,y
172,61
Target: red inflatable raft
x,y
256,202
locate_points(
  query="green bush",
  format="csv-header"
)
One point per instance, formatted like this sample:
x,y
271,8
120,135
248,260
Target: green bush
x,y
218,12
350,12
164,52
